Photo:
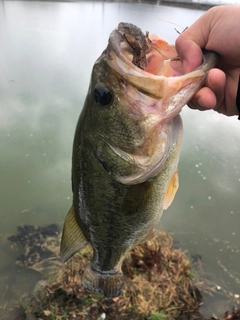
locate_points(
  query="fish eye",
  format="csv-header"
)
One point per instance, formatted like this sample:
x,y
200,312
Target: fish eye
x,y
102,95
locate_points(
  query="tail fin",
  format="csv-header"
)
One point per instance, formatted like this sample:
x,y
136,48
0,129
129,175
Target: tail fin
x,y
110,284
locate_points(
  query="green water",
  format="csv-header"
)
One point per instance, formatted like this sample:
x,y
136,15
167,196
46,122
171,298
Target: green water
x,y
47,50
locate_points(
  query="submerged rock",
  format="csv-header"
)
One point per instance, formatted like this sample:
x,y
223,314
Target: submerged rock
x,y
38,243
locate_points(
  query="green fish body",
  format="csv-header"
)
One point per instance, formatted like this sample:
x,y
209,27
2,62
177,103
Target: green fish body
x,y
125,152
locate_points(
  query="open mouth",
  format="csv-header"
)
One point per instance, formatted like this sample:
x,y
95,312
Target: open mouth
x,y
147,63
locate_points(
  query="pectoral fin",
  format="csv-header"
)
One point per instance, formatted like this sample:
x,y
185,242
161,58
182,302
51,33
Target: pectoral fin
x,y
171,191
73,240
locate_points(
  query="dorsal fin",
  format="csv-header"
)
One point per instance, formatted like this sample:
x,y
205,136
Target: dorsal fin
x,y
73,239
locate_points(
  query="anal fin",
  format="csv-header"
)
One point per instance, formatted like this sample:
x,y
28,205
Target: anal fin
x,y
171,191
73,239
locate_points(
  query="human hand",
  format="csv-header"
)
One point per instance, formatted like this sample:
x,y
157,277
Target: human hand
x,y
216,30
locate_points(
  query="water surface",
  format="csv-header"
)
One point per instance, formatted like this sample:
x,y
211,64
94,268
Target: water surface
x,y
47,50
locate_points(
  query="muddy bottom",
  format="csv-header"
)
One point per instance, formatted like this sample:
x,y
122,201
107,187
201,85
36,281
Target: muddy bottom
x,y
161,282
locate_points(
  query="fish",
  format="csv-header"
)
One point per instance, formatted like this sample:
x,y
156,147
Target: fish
x,y
126,151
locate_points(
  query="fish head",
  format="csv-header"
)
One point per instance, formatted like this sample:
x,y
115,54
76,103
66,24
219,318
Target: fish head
x,y
135,92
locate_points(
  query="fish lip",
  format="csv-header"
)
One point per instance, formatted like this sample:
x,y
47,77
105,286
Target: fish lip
x,y
156,86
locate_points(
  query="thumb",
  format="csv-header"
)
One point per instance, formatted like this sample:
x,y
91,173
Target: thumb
x,y
189,52
190,42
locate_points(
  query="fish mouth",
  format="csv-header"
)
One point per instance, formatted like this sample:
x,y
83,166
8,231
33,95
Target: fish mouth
x,y
129,48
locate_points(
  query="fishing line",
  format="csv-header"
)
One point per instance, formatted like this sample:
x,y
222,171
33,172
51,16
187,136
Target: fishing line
x,y
175,24
148,16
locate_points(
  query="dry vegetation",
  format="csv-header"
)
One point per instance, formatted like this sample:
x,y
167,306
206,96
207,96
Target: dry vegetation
x,y
158,283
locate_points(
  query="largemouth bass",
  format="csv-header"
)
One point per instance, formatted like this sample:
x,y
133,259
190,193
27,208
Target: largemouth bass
x,y
125,151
